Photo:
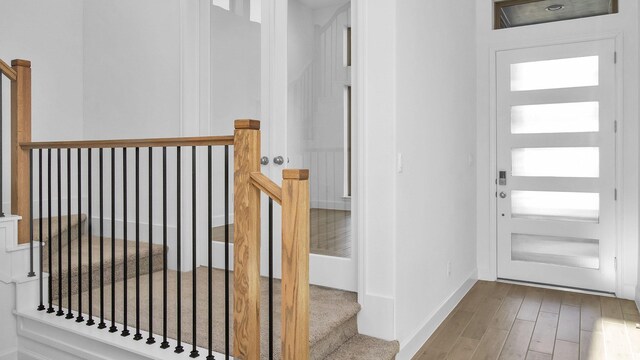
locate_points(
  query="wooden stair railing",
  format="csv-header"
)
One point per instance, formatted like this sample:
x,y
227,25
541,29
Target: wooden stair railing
x,y
293,196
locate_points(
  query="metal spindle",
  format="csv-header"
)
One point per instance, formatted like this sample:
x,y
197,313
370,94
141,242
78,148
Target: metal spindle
x,y
31,272
194,239
165,343
113,328
179,347
41,307
102,324
125,330
151,339
271,278
60,312
226,252
80,318
138,336
50,310
69,280
90,322
209,253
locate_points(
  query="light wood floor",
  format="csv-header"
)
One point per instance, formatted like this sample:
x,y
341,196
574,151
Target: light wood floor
x,y
503,321
330,232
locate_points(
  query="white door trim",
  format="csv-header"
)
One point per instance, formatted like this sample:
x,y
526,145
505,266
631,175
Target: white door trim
x,y
619,109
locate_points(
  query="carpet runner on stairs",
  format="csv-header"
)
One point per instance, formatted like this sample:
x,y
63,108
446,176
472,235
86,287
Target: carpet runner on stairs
x,y
333,313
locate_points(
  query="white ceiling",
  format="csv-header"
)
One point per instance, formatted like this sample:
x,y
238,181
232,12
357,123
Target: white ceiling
x,y
318,4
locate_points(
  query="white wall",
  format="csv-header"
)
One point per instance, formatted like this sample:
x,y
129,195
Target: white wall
x,y
436,133
132,68
49,34
622,26
235,84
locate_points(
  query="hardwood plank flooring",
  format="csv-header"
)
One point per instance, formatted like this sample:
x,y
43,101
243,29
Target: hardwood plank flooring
x,y
330,232
503,321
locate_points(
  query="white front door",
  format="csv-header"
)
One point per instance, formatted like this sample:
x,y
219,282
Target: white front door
x,y
556,165
306,124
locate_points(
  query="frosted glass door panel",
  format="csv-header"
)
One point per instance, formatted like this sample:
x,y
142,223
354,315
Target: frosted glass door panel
x,y
565,251
556,162
555,205
555,74
556,118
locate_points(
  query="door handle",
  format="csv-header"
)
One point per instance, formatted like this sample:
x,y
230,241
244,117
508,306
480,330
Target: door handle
x,y
278,160
264,161
503,195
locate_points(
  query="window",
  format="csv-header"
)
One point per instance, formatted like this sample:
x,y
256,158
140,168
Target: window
x,y
512,13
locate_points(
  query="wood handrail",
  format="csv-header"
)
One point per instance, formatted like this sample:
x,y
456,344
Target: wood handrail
x,y
131,143
8,71
265,184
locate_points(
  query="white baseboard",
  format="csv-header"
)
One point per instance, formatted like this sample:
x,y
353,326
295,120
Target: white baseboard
x,y
43,336
376,318
410,347
9,354
638,296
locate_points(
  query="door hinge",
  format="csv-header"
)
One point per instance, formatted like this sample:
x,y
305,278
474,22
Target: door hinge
x,y
615,126
615,263
615,194
496,194
615,57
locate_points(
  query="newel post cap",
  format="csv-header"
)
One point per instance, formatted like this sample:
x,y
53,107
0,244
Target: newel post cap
x,y
247,124
20,62
295,174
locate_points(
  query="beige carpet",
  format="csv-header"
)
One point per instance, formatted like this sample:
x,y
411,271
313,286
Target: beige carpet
x,y
95,246
329,308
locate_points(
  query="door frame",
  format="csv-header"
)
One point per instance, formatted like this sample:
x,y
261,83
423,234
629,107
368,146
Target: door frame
x,y
619,154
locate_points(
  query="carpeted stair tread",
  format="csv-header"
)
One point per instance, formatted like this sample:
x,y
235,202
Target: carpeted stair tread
x,y
361,347
75,220
157,252
329,309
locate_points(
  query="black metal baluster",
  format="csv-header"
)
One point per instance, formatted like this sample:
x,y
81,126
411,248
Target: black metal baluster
x,y
50,310
69,280
179,347
151,339
102,324
31,272
210,252
59,174
41,307
90,322
138,336
125,330
113,328
165,343
80,318
194,239
226,252
271,278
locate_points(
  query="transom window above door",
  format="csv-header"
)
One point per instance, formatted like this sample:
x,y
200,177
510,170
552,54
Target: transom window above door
x,y
513,13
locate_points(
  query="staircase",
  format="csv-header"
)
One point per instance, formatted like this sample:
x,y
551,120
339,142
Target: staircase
x,y
333,313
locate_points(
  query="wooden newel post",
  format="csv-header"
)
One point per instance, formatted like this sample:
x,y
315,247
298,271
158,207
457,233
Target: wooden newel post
x,y
295,264
246,275
20,132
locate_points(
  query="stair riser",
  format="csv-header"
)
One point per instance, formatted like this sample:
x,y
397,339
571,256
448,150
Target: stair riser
x,y
120,275
334,339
